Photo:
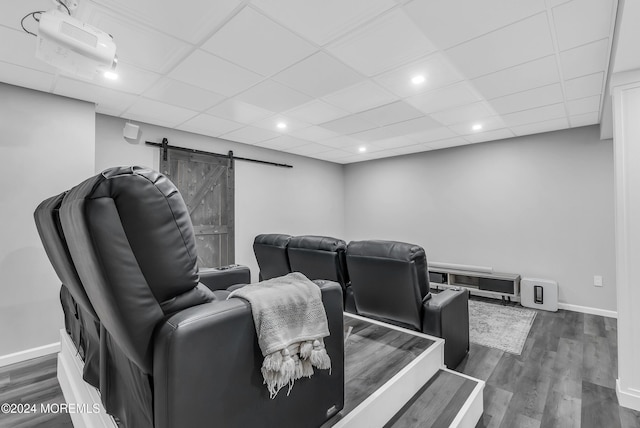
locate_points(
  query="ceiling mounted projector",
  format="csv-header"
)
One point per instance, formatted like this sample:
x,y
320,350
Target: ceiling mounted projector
x,y
74,47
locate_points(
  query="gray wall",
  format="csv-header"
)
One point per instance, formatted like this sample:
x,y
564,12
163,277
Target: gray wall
x,y
307,199
540,206
46,147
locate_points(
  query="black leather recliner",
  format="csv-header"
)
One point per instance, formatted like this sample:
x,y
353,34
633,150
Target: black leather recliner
x,y
390,282
176,353
271,254
322,257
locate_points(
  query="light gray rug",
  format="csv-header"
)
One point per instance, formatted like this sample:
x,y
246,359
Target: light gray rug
x,y
501,327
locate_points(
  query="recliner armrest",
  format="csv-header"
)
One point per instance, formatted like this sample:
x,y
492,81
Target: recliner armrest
x,y
224,277
206,370
446,315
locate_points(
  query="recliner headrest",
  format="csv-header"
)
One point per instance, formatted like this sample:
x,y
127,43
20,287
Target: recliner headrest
x,y
270,250
387,249
324,243
319,257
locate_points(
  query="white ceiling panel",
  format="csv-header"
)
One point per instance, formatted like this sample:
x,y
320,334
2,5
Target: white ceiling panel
x,y
433,134
488,124
360,97
416,148
209,125
436,70
445,98
144,47
525,100
392,143
452,22
130,79
313,133
106,100
257,43
584,86
387,42
584,60
12,13
323,20
497,134
540,127
583,105
214,74
163,114
239,111
316,112
540,114
18,47
581,22
333,155
318,75
465,113
391,113
282,142
182,95
409,127
515,44
271,124
340,142
25,77
190,21
250,135
584,119
445,144
273,96
309,149
541,72
348,125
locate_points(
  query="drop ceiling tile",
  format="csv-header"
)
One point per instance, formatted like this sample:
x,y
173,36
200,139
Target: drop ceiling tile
x,y
309,149
466,113
182,95
106,99
348,125
249,135
257,43
209,125
323,21
584,86
583,105
594,22
434,134
584,119
271,124
515,44
445,144
436,69
584,60
488,124
130,79
540,114
318,75
316,112
214,74
239,111
136,44
314,133
190,23
12,13
340,142
389,41
541,72
540,127
416,148
392,143
273,96
25,77
391,113
158,113
525,100
359,97
332,155
497,134
413,126
451,22
282,142
445,98
19,48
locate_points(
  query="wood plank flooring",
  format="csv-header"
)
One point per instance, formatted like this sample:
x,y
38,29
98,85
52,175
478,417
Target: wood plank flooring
x,y
565,376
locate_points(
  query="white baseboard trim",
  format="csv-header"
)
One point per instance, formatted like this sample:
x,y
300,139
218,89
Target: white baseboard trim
x,y
588,310
28,354
629,399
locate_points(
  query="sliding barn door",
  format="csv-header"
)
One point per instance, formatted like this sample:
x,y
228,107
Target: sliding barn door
x,y
207,186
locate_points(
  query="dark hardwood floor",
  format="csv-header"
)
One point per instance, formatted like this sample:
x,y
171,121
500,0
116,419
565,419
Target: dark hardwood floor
x,y
565,376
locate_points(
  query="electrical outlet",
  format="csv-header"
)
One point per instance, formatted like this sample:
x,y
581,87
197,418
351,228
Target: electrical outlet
x,y
597,281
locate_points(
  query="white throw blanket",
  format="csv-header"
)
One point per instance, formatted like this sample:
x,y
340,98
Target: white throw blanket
x,y
290,323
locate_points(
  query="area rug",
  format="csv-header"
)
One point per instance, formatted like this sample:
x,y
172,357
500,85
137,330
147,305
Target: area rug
x,y
501,327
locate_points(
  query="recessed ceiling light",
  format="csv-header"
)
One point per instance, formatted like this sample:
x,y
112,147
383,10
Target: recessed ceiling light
x,y
362,149
281,125
477,127
416,80
111,75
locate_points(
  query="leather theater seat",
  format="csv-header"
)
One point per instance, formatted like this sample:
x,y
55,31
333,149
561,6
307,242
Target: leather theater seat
x,y
173,351
390,282
271,254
